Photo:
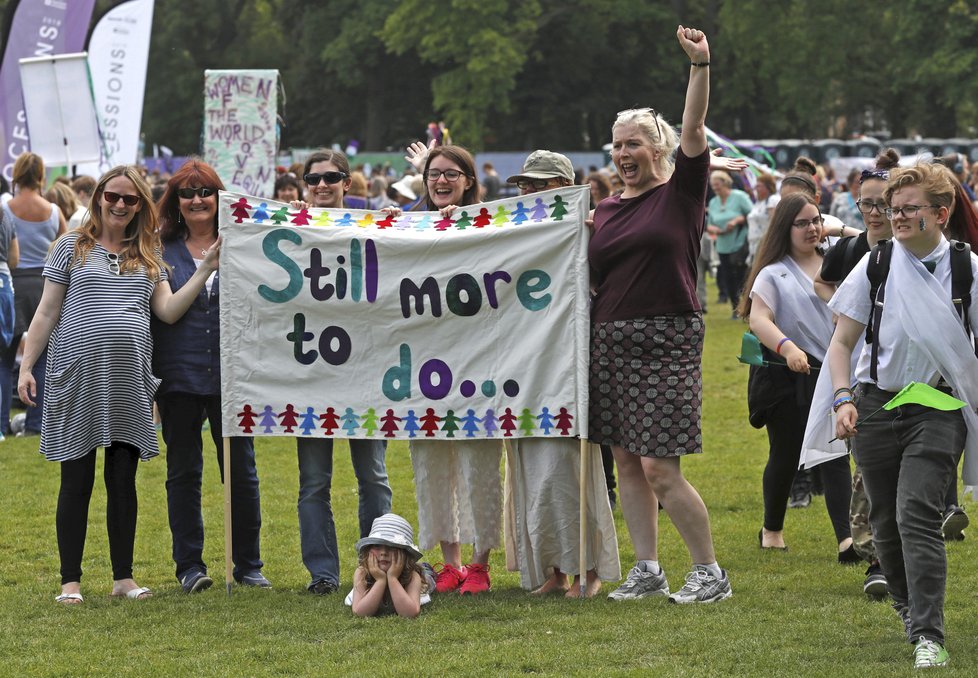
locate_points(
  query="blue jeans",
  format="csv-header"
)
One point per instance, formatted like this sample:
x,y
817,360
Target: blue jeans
x,y
317,532
182,415
907,456
8,381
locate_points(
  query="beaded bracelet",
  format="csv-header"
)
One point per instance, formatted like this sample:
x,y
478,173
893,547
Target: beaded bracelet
x,y
700,64
840,402
780,344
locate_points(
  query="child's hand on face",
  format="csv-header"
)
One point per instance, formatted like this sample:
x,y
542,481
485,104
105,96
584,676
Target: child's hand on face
x,y
397,564
374,568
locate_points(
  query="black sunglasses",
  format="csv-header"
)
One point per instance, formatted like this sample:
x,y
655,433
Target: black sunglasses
x,y
189,193
112,198
537,184
313,179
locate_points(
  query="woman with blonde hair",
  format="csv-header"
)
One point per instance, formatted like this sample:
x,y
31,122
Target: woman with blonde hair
x,y
101,282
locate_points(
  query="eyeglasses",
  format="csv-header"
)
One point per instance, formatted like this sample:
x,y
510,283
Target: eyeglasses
x,y
189,193
655,116
908,211
537,184
313,179
867,206
112,198
805,223
450,175
113,262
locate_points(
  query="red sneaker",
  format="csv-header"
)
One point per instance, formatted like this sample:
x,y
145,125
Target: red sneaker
x,y
450,578
477,579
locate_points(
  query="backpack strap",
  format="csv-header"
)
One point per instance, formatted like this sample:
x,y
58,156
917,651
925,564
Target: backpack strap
x,y
961,279
877,271
849,256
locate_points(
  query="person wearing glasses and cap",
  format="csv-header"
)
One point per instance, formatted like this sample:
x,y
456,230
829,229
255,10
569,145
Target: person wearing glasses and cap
x,y
187,357
542,529
327,176
101,282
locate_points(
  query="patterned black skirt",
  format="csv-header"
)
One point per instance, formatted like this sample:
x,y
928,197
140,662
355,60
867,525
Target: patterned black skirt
x,y
646,384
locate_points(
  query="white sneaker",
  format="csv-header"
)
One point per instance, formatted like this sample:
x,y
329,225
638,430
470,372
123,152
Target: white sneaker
x,y
641,584
703,587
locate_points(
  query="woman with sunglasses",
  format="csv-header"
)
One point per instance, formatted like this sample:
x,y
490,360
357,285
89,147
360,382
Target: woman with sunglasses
x,y
795,326
101,282
328,177
186,357
36,222
647,331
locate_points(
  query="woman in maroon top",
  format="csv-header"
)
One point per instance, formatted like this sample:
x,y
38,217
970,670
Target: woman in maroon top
x,y
648,332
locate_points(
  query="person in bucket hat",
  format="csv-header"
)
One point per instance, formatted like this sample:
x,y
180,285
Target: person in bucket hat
x,y
389,579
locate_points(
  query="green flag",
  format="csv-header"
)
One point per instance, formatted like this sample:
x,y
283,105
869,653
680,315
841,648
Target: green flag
x,y
922,394
750,351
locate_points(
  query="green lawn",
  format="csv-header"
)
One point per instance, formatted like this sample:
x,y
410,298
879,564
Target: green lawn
x,y
792,614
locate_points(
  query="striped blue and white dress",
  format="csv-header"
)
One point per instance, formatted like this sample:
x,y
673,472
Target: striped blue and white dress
x,y
100,384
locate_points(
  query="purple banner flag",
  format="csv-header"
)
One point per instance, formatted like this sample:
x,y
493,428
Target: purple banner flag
x,y
39,28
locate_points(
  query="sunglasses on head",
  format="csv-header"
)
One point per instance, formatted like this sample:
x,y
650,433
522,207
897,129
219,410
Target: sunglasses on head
x,y
189,193
313,179
112,198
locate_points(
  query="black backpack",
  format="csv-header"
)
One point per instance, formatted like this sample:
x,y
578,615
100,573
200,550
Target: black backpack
x,y
879,268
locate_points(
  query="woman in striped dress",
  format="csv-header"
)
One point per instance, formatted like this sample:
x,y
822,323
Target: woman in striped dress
x,y
101,281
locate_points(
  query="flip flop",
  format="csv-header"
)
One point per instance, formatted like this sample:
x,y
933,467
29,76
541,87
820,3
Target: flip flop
x,y
134,594
69,598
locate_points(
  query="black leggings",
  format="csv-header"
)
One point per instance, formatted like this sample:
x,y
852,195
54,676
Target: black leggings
x,y
77,481
786,431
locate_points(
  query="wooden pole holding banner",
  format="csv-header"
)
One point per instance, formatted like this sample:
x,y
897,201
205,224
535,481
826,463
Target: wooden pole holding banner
x,y
228,562
582,568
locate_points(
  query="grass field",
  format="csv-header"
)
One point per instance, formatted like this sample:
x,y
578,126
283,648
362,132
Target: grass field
x,y
792,614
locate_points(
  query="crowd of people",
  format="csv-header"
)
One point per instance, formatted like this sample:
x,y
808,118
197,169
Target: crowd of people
x,y
110,290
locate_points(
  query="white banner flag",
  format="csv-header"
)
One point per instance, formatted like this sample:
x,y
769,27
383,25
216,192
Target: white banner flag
x,y
118,54
240,133
352,324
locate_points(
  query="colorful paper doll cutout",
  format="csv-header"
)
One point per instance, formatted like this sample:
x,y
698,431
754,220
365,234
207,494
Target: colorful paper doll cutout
x,y
546,421
429,423
482,219
520,214
450,424
239,209
501,217
470,424
247,419
411,424
308,422
260,213
288,418
564,421
301,218
527,422
350,420
268,421
389,424
559,208
324,219
369,422
508,425
330,421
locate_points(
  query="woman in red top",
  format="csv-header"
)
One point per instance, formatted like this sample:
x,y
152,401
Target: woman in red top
x,y
648,332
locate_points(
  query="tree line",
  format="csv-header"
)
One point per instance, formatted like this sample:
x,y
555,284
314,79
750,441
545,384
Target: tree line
x,y
519,74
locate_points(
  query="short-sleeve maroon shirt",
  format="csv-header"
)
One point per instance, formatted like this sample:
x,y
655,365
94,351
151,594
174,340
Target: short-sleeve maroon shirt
x,y
644,249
